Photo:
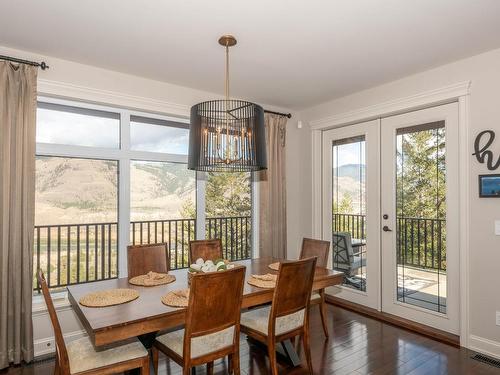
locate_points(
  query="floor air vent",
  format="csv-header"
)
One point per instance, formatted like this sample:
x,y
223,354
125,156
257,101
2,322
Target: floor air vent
x,y
485,359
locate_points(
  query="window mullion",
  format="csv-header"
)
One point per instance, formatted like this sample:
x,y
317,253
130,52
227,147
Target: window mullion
x,y
255,217
201,182
124,194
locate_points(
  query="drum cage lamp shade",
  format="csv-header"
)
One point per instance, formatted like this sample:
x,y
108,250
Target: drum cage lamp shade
x,y
227,136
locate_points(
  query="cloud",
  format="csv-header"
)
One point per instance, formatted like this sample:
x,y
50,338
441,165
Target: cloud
x,y
58,127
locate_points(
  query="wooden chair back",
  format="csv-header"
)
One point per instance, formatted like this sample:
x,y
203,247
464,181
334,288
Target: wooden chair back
x,y
61,353
205,249
214,303
145,258
293,287
316,248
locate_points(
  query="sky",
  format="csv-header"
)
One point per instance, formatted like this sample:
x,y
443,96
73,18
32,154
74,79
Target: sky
x,y
349,154
58,127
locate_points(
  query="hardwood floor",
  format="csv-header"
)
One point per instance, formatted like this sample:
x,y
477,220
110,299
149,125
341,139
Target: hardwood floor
x,y
357,345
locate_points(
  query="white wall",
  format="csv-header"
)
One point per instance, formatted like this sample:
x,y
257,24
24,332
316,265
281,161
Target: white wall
x,y
83,82
484,73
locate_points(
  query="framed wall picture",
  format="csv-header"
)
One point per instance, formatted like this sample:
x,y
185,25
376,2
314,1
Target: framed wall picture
x,y
489,186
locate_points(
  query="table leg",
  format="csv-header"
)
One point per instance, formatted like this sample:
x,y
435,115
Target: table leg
x,y
287,351
290,352
146,340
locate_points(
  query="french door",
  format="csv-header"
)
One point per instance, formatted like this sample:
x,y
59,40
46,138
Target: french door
x,y
351,209
420,201
390,210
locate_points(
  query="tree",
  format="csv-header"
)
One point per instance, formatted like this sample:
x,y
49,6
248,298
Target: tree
x,y
345,205
421,174
227,194
228,198
421,194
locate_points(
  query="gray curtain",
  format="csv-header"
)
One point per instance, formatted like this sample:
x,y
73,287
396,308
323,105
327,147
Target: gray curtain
x,y
272,190
17,202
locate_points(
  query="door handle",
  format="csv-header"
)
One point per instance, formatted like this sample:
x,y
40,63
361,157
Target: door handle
x,y
386,229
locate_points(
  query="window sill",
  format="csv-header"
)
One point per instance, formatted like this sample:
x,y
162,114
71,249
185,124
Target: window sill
x,y
60,300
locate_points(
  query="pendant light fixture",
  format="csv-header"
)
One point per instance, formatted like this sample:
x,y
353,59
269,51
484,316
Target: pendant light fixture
x,y
227,135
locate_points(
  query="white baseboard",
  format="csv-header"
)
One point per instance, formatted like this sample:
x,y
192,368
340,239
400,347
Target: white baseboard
x,y
485,346
47,345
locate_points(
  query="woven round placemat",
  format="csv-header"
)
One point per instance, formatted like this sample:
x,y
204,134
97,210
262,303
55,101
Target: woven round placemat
x,y
111,297
274,266
152,279
267,281
176,298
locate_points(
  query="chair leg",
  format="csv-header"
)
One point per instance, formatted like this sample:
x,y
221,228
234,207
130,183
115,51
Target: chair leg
x,y
154,354
145,366
236,363
322,312
271,348
210,368
57,370
186,370
230,364
307,350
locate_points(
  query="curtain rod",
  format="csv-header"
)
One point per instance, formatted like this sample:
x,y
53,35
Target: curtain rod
x,y
289,115
42,64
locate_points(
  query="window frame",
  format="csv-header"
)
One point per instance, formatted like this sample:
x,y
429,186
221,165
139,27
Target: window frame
x,y
124,155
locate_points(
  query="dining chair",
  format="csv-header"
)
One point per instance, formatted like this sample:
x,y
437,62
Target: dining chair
x,y
212,328
80,357
205,249
288,315
320,249
145,258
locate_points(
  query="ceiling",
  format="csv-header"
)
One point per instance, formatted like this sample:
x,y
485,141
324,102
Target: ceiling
x,y
290,53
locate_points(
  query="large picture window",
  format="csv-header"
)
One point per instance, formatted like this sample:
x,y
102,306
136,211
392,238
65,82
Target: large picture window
x,y
107,178
76,219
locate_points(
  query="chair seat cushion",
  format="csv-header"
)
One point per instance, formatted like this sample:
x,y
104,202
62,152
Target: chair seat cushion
x,y
258,320
83,356
200,345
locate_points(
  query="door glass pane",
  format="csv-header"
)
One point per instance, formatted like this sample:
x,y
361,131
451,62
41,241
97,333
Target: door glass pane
x,y
162,207
349,210
60,124
421,216
147,134
228,211
76,212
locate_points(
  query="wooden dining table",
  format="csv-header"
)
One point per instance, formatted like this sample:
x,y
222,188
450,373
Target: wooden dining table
x,y
148,315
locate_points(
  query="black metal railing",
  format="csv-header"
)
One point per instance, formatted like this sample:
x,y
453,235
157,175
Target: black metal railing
x,y
235,233
176,233
352,223
80,253
421,242
76,253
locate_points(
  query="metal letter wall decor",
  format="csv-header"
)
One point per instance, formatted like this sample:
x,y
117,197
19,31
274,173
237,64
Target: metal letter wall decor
x,y
482,153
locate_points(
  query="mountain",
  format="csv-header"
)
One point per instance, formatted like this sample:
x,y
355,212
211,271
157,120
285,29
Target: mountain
x,y
348,184
73,190
351,170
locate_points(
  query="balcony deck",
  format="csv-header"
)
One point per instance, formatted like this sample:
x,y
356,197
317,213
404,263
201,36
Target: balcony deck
x,y
421,257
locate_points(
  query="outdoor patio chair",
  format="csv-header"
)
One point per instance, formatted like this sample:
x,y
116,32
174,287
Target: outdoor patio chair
x,y
345,260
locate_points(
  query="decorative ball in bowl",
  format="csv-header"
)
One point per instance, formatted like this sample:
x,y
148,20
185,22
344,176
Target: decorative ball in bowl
x,y
205,266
